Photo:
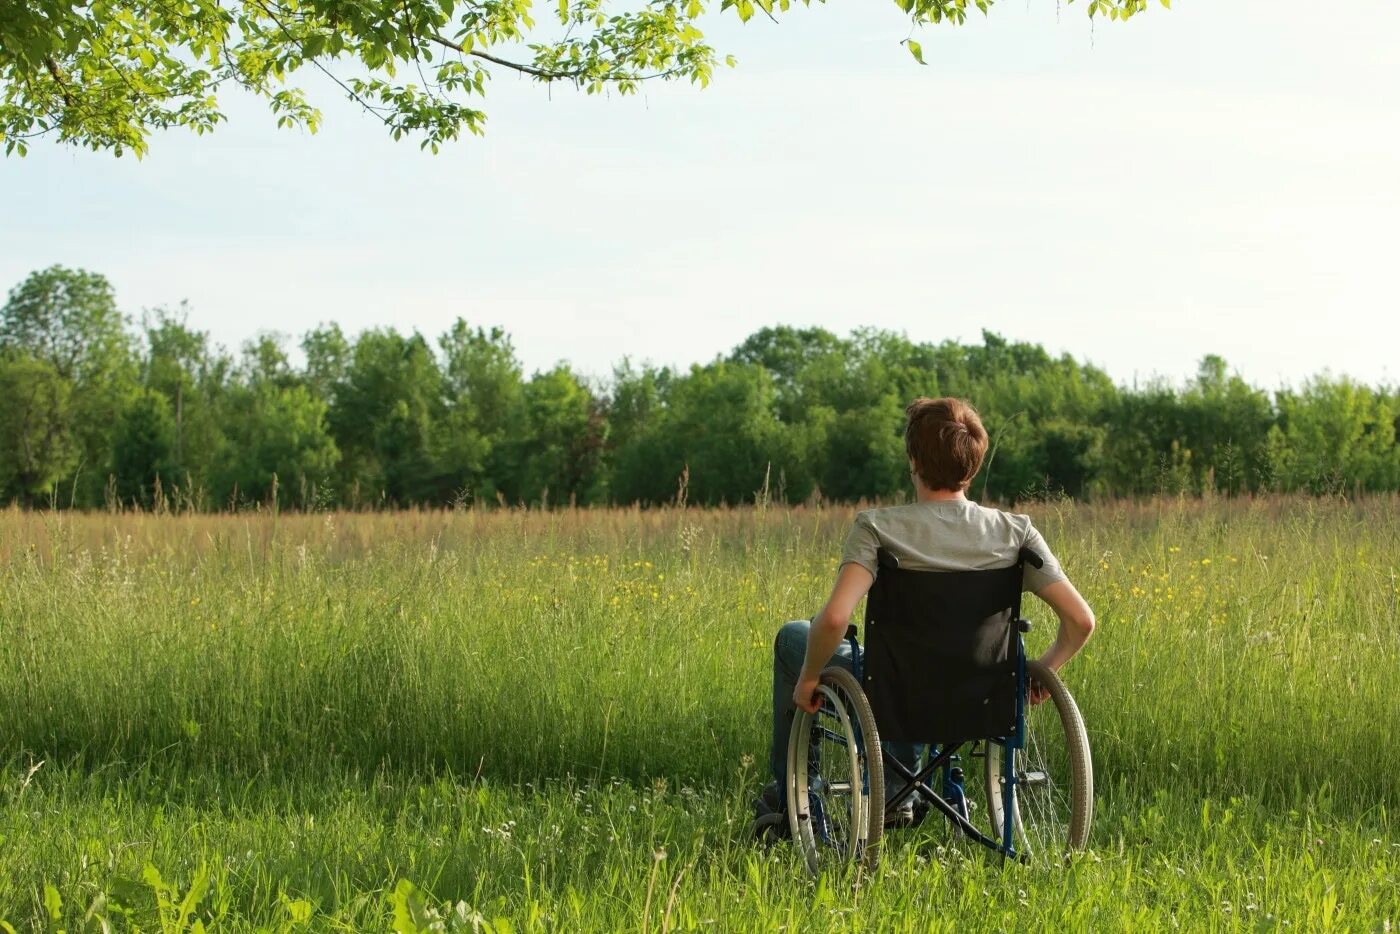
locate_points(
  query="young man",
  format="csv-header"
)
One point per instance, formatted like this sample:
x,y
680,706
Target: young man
x,y
942,530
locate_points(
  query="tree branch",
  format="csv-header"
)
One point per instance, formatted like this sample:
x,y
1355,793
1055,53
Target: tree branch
x,y
524,69
369,108
58,76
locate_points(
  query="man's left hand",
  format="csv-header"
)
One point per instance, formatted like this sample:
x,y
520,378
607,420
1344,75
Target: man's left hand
x,y
1036,693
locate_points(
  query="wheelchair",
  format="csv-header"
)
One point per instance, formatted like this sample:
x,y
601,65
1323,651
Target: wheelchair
x,y
944,666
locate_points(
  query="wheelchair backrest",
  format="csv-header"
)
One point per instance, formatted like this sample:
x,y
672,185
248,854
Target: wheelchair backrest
x,y
940,652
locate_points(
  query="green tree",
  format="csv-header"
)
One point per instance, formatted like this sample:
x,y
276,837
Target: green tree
x,y
849,416
1226,426
277,433
68,318
265,363
327,360
717,421
193,376
555,452
1140,428
485,397
104,75
1033,405
1066,456
1341,437
385,418
143,458
862,452
634,401
788,353
36,445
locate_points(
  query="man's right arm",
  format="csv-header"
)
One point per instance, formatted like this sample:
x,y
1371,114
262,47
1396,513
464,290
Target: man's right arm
x,y
1076,622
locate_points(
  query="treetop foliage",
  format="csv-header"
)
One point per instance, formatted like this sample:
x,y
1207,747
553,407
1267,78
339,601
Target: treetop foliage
x,y
104,74
102,412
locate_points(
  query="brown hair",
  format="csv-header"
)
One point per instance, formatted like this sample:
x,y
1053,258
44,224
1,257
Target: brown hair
x,y
946,441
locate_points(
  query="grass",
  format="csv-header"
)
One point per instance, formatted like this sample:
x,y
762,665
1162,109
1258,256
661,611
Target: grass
x,y
555,721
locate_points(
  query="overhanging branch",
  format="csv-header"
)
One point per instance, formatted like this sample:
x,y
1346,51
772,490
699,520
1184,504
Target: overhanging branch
x,y
540,73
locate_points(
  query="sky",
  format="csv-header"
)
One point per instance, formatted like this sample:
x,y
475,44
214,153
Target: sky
x,y
1223,177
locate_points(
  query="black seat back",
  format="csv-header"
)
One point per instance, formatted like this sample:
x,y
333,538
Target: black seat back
x,y
939,664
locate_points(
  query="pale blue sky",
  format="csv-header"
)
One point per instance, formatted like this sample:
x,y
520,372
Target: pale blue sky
x,y
1223,177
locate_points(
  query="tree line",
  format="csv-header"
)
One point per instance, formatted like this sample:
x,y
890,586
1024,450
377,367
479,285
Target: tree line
x,y
102,412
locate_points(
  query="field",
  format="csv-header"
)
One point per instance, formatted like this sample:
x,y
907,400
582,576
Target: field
x,y
517,721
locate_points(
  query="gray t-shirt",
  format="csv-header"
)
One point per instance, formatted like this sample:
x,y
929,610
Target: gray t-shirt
x,y
950,535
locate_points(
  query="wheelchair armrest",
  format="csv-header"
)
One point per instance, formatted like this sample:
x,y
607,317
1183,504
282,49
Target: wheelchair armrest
x,y
1030,557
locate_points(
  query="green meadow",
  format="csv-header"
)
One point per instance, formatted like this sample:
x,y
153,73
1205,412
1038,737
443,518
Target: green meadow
x,y
556,720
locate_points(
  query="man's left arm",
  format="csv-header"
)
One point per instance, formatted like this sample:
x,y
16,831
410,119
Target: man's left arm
x,y
828,629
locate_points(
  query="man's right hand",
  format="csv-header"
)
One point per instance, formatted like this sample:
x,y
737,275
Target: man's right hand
x,y
805,696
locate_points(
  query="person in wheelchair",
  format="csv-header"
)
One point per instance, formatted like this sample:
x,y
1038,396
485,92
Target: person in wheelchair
x,y
941,531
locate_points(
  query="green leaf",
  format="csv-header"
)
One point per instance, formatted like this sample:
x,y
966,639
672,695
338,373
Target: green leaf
x,y
53,904
198,889
151,875
410,912
916,50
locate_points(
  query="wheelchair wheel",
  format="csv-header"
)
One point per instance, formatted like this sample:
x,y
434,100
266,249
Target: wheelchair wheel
x,y
1054,793
836,778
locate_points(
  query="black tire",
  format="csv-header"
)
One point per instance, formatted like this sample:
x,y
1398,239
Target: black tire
x,y
1054,801
836,784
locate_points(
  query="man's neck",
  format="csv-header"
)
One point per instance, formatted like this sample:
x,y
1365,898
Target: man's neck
x,y
940,496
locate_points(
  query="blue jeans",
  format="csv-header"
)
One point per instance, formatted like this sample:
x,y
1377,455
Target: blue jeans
x,y
789,651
